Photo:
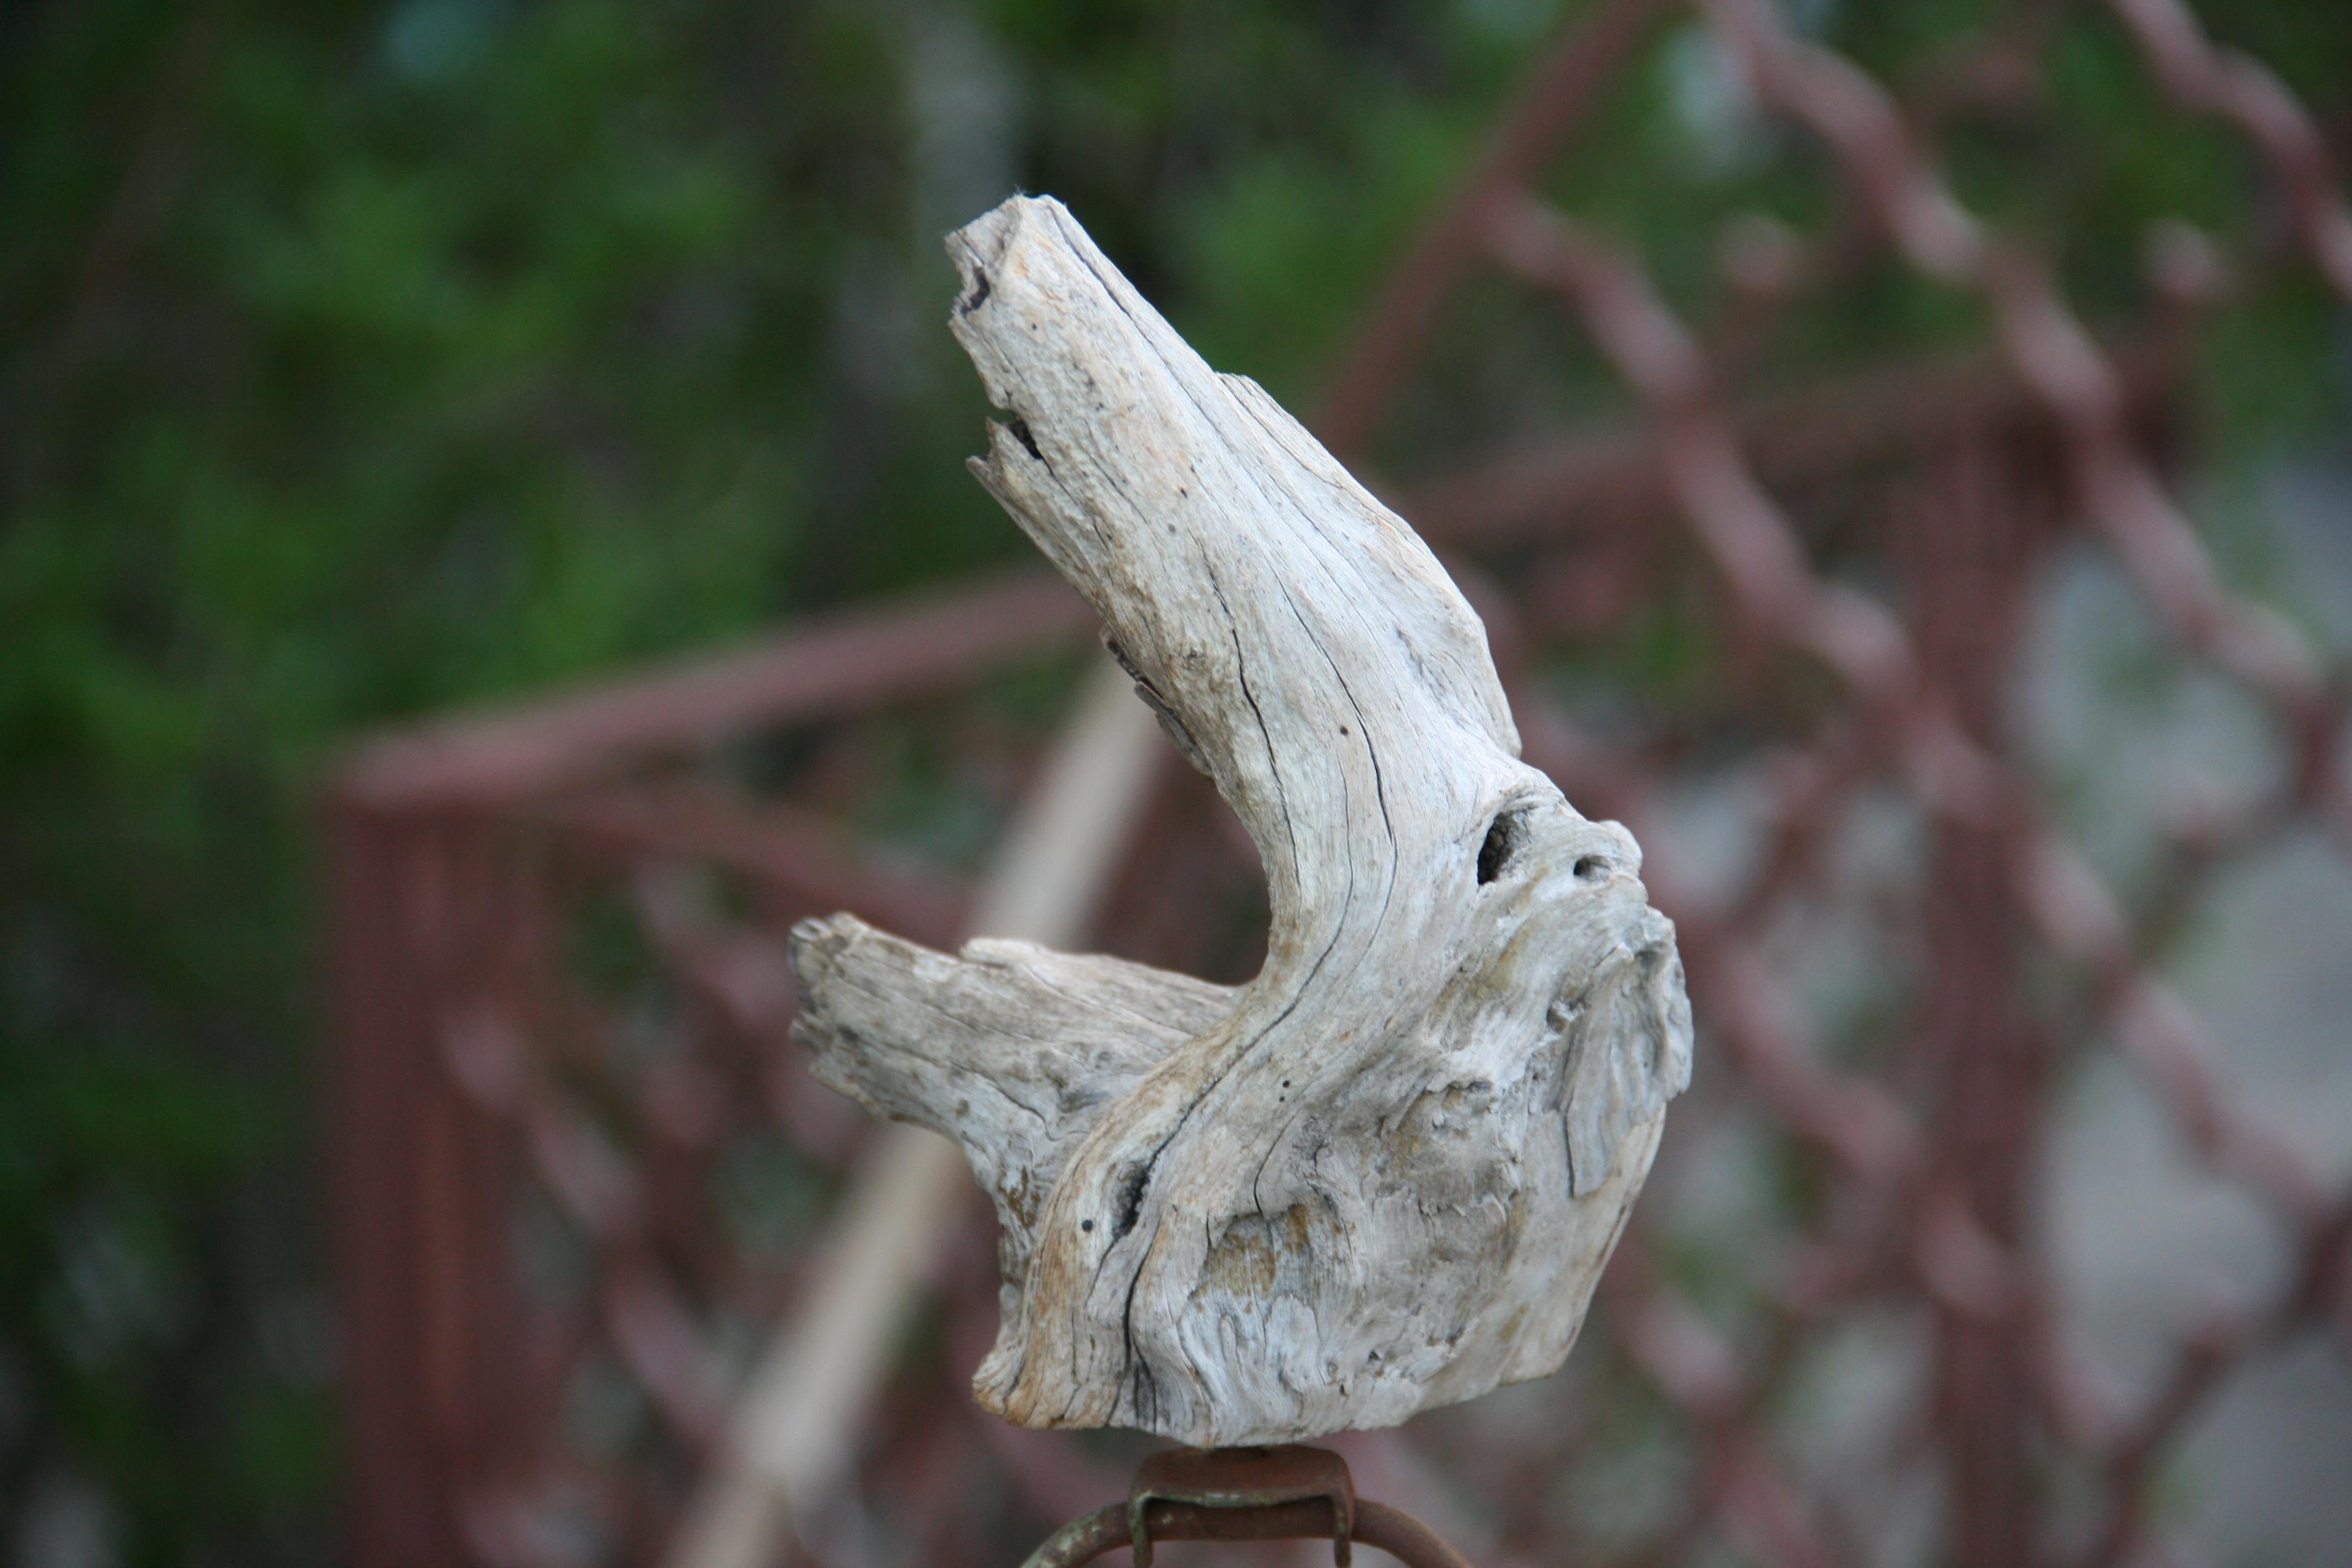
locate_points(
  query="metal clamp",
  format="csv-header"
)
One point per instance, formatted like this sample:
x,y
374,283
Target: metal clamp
x,y
1289,1493
1242,1478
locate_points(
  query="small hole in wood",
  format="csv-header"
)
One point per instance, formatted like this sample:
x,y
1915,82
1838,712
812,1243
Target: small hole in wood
x,y
1590,868
1130,1198
1503,839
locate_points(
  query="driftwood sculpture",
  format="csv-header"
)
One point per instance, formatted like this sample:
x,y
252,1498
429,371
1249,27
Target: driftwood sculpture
x,y
1386,1173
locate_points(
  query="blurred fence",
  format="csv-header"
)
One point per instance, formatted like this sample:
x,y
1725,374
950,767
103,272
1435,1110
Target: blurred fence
x,y
581,1169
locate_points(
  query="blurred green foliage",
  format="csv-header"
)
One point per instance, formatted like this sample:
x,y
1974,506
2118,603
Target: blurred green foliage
x,y
358,360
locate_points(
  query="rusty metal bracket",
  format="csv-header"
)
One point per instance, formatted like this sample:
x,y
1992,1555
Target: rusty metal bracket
x,y
1236,1479
1284,1493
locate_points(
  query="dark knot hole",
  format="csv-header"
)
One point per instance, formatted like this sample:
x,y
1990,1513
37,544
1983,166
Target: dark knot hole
x,y
1505,837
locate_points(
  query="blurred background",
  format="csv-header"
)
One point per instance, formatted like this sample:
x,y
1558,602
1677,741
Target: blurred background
x,y
1910,485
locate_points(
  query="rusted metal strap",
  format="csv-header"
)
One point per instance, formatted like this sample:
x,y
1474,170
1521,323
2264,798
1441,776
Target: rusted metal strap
x,y
1289,1493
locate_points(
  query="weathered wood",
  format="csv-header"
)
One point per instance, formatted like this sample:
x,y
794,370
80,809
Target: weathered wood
x,y
1386,1173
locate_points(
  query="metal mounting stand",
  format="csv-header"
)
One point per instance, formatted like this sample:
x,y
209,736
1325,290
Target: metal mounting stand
x,y
1287,1493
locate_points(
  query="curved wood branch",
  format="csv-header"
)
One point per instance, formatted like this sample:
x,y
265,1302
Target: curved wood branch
x,y
1387,1173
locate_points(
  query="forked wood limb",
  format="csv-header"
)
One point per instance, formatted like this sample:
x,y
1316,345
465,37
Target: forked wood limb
x,y
1386,1173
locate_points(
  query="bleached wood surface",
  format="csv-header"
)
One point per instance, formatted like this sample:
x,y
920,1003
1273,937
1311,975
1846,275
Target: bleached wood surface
x,y
1386,1173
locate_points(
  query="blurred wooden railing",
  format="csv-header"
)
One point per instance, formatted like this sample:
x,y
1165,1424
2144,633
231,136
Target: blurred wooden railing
x,y
563,1081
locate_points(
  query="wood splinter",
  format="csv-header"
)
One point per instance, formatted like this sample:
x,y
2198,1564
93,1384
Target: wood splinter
x,y
1386,1173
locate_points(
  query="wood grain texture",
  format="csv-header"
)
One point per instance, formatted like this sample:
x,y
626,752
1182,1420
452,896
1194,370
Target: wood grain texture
x,y
1386,1173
